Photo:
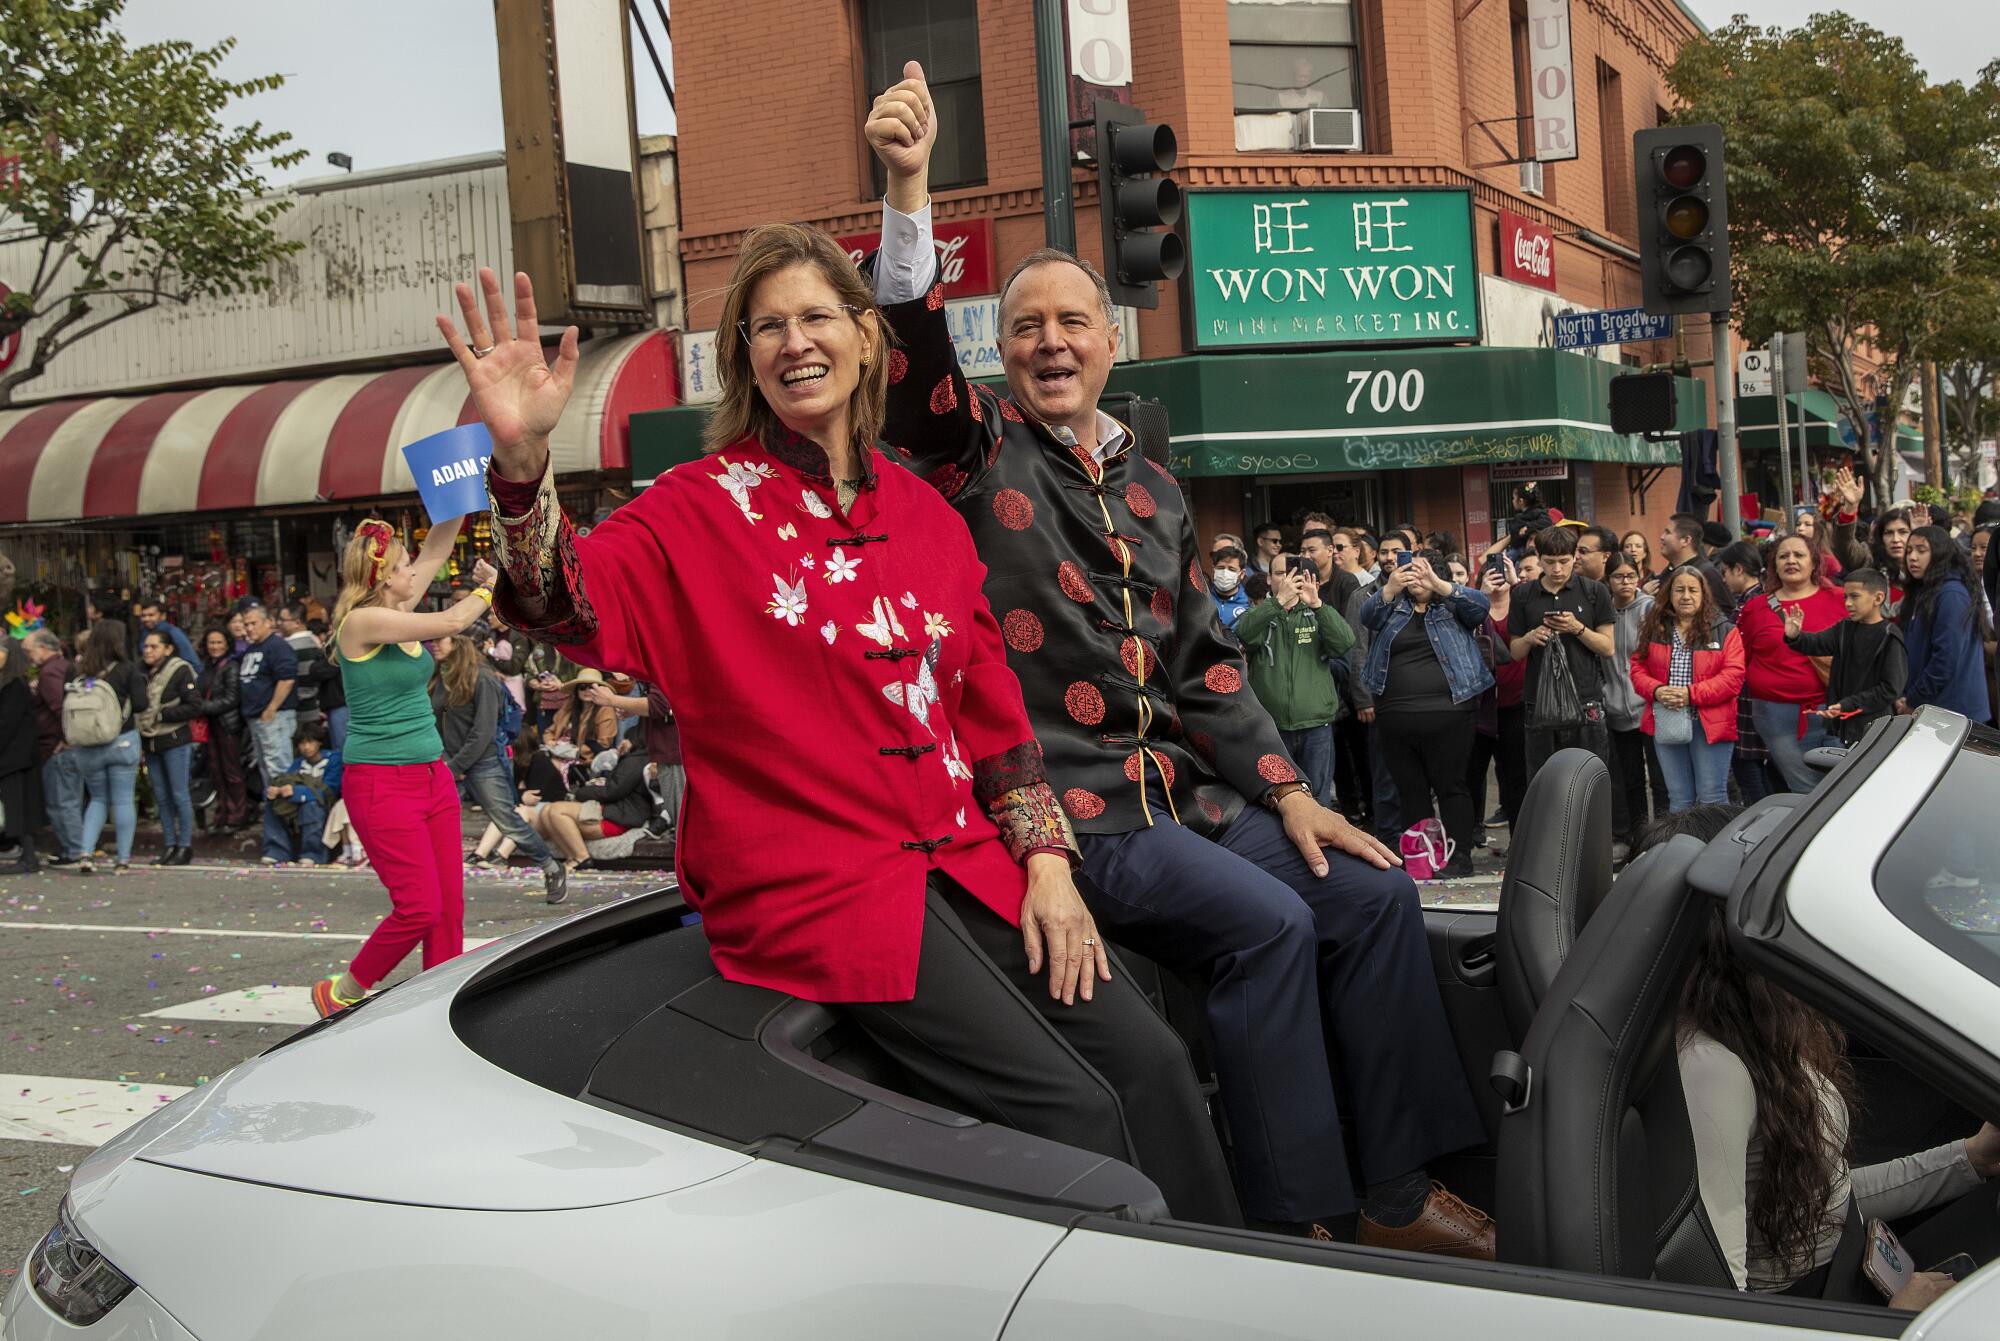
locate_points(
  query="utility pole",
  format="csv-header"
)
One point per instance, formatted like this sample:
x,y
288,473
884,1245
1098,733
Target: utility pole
x,y
1933,426
1725,425
1778,398
1052,104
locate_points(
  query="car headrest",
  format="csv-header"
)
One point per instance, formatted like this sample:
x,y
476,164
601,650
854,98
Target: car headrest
x,y
1558,872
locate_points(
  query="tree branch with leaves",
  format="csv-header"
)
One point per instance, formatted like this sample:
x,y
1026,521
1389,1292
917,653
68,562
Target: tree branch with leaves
x,y
126,173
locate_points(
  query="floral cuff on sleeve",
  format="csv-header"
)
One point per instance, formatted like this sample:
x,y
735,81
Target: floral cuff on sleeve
x,y
1031,820
534,547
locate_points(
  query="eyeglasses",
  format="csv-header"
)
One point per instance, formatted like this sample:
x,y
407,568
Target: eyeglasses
x,y
814,323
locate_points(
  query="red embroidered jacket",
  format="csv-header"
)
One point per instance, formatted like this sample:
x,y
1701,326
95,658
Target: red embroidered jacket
x,y
848,721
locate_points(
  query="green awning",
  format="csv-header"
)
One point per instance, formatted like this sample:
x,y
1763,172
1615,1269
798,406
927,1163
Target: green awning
x,y
1337,412
1340,411
1757,421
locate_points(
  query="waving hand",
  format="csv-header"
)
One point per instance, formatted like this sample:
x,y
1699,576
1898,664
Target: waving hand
x,y
518,393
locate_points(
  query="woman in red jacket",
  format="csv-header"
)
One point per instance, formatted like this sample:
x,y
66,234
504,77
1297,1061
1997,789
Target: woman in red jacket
x,y
1783,684
1689,669
866,820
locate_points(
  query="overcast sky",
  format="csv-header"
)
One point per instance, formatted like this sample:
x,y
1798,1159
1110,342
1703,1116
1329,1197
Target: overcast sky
x,y
405,81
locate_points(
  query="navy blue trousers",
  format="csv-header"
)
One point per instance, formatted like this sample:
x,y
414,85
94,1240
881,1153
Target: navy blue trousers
x,y
1293,962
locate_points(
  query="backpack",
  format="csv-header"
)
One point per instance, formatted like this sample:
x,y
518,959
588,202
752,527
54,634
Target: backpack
x,y
92,714
511,718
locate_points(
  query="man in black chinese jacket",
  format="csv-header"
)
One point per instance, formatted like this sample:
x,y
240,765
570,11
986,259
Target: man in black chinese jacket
x,y
1202,848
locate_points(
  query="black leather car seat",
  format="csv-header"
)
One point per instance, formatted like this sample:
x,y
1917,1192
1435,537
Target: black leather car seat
x,y
1597,1163
1558,871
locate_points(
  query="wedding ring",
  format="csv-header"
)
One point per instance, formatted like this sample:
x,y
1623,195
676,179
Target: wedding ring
x,y
1088,940
479,353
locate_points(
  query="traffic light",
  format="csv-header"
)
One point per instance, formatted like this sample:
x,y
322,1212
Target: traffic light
x,y
1683,219
1135,196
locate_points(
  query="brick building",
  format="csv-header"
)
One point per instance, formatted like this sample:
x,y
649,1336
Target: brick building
x,y
1411,382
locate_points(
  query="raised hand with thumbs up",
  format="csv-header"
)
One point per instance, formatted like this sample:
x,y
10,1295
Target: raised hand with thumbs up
x,y
902,129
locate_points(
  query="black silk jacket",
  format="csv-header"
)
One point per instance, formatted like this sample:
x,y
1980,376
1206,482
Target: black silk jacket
x,y
1140,700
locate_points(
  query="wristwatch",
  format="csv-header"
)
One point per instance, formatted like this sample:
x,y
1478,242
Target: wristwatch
x,y
1278,793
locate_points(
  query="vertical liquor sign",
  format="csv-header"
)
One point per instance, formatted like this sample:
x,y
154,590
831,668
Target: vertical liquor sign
x,y
1553,80
572,157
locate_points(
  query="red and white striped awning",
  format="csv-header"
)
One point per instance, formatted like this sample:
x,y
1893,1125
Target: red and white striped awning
x,y
300,441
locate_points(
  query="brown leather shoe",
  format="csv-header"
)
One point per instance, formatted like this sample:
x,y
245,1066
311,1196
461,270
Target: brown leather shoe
x,y
1446,1226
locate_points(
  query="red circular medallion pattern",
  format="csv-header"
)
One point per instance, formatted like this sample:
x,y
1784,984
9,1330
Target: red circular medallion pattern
x,y
935,298
1162,766
1074,583
947,480
1082,804
1209,809
1274,768
1011,412
899,366
1163,606
1084,702
1195,578
972,404
1013,509
1140,500
1223,679
1119,549
1165,474
1204,745
1022,630
944,397
1138,658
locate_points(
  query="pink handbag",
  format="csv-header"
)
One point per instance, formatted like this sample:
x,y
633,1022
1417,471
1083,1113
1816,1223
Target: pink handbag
x,y
1425,849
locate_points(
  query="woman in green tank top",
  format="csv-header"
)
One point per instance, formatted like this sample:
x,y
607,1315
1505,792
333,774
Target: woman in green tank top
x,y
400,796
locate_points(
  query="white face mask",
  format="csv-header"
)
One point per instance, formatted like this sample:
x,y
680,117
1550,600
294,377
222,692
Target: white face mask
x,y
1226,580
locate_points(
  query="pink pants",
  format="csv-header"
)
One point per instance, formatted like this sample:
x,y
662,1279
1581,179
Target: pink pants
x,y
407,818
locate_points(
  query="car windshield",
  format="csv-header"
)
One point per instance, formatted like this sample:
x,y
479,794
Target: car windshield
x,y
1941,877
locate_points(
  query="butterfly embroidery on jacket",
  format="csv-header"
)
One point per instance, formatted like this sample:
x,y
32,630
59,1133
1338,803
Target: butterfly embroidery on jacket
x,y
884,628
739,478
814,504
919,697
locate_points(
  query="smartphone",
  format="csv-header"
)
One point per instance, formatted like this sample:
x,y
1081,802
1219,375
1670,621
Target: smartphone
x,y
1957,1267
1403,558
1885,1264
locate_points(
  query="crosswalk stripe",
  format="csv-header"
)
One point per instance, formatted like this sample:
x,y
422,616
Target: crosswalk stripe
x,y
270,1003
67,1111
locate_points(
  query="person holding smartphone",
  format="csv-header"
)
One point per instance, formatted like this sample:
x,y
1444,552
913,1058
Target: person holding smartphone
x,y
1565,612
1288,640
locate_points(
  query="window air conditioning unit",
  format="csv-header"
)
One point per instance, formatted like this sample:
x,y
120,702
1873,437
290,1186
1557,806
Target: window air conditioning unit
x,y
1330,128
1531,177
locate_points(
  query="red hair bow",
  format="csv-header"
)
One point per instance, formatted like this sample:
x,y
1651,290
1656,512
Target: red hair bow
x,y
380,537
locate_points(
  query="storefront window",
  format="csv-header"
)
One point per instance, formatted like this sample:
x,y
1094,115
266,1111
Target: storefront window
x,y
1351,500
1288,57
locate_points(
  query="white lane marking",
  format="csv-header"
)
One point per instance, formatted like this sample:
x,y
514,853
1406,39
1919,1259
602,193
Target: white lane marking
x,y
66,1111
470,943
266,1003
185,931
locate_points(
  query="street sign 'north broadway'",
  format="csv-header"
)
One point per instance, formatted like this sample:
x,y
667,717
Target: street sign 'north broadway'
x,y
1331,267
1612,326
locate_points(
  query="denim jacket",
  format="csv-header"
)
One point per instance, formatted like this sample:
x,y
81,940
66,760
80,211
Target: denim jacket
x,y
1449,620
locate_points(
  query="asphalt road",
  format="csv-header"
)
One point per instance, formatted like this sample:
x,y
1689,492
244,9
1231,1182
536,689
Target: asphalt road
x,y
226,950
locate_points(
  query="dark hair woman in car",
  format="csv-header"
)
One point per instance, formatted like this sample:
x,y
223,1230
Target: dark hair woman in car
x,y
864,793
1770,1092
1944,627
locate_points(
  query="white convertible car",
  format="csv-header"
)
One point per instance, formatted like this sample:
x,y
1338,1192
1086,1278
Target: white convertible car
x,y
583,1132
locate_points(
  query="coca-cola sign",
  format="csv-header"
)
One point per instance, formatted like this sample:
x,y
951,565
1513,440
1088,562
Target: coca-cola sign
x,y
964,252
1527,251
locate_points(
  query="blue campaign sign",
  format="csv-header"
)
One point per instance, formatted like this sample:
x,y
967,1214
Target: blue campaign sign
x,y
450,470
1613,326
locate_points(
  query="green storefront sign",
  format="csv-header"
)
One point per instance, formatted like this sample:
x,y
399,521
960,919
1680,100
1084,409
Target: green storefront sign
x,y
1270,268
1339,411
